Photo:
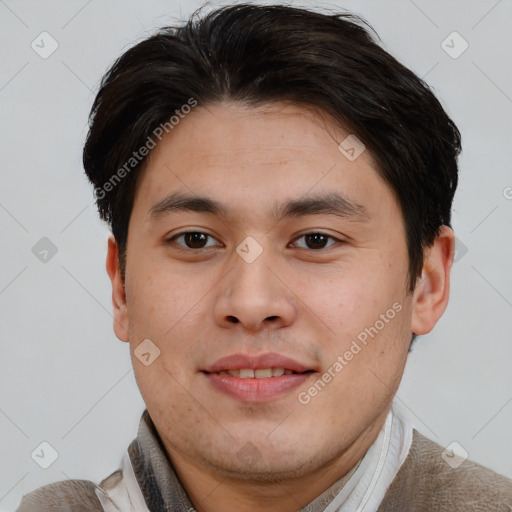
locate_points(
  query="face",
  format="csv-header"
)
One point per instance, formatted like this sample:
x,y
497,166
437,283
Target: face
x,y
270,271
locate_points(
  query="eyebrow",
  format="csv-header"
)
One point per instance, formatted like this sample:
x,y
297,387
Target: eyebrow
x,y
332,203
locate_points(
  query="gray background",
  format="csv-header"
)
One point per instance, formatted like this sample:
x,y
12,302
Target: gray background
x,y
66,379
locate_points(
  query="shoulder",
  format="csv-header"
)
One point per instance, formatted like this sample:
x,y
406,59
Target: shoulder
x,y
64,496
426,482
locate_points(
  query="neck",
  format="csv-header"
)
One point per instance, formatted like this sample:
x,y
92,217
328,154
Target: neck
x,y
210,491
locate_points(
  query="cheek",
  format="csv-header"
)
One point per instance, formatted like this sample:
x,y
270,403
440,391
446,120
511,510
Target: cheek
x,y
158,297
381,338
353,302
169,308
369,321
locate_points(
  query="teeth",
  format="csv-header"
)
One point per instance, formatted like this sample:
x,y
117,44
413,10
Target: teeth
x,y
261,373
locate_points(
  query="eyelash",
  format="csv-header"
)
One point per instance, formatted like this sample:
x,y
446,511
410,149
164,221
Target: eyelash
x,y
178,235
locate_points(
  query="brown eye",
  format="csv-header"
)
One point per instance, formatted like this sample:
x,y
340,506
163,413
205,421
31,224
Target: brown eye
x,y
195,240
192,240
316,241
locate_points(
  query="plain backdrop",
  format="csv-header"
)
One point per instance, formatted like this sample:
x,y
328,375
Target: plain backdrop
x,y
64,377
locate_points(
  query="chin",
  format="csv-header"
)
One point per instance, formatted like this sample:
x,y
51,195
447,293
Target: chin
x,y
251,465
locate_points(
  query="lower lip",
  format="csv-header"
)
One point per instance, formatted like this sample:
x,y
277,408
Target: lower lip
x,y
257,390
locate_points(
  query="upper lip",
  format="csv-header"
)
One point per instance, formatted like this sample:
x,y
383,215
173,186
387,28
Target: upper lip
x,y
268,360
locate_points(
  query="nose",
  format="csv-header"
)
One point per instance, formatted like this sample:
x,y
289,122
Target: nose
x,y
255,296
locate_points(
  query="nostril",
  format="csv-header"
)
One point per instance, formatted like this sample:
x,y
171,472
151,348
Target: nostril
x,y
233,319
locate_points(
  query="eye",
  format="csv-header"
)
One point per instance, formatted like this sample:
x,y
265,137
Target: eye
x,y
316,241
192,240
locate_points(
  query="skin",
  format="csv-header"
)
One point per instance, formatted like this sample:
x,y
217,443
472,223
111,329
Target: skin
x,y
300,301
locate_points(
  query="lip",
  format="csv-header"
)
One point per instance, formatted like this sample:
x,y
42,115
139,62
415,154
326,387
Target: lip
x,y
268,360
257,390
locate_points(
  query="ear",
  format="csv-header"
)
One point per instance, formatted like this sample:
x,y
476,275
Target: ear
x,y
432,291
121,323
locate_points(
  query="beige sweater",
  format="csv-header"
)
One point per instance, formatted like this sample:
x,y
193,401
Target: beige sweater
x,y
424,483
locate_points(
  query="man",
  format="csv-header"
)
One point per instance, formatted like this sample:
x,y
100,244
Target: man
x,y
279,191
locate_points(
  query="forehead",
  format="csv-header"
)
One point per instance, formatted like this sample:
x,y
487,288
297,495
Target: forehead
x,y
254,155
227,131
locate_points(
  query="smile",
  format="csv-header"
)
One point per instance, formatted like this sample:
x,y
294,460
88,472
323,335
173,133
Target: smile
x,y
256,378
260,373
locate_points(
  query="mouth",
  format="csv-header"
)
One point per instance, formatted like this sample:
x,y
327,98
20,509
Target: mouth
x,y
259,373
257,379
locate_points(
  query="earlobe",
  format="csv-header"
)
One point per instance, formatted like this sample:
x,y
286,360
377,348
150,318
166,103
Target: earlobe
x,y
120,311
432,291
